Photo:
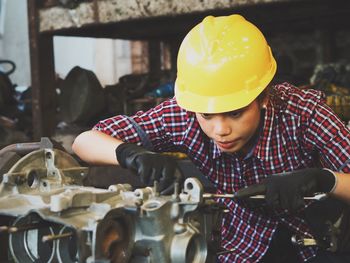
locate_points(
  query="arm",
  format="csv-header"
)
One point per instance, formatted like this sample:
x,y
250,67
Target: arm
x,y
98,145
117,141
342,189
328,134
95,147
324,132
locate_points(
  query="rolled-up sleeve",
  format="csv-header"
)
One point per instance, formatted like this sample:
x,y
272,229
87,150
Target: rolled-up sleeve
x,y
164,126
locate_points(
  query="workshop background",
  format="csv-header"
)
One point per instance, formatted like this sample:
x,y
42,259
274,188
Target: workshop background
x,y
65,64
76,61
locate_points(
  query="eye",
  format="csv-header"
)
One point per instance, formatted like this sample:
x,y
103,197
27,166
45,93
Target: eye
x,y
206,115
235,114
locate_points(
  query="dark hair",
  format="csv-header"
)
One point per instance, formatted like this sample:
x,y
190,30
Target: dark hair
x,y
265,93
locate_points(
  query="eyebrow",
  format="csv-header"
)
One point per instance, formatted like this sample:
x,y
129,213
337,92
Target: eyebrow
x,y
227,112
236,111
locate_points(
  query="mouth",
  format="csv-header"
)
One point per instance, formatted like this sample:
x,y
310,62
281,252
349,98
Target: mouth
x,y
227,144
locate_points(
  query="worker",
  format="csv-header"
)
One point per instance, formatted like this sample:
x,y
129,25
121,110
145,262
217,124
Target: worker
x,y
240,130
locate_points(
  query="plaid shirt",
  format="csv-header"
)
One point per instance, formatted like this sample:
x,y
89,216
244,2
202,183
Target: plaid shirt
x,y
297,124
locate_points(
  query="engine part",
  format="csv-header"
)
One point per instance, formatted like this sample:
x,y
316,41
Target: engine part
x,y
47,215
81,96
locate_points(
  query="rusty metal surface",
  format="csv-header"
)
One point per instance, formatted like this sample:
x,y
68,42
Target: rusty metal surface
x,y
110,11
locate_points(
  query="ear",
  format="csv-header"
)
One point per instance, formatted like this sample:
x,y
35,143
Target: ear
x,y
265,102
263,98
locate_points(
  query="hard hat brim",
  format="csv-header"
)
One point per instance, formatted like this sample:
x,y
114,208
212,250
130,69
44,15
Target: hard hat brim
x,y
218,104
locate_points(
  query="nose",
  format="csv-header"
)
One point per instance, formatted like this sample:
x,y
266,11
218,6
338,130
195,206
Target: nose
x,y
222,127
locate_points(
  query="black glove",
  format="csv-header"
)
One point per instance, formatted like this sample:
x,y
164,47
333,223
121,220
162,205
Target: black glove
x,y
287,190
150,166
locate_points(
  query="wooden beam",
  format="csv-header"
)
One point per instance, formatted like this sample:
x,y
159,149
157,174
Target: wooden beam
x,y
43,76
154,57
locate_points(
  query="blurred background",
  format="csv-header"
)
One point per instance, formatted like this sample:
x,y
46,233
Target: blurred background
x,y
65,64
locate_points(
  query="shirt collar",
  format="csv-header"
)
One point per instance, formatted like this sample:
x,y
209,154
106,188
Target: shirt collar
x,y
263,144
215,150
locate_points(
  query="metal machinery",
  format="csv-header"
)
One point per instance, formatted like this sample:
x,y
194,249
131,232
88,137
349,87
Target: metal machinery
x,y
47,215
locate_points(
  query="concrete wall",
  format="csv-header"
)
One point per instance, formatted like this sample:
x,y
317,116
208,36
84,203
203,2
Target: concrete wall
x,y
14,42
122,10
109,59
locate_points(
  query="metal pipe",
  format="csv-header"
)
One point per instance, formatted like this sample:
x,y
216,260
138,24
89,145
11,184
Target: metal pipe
x,y
317,197
21,148
3,229
48,238
15,229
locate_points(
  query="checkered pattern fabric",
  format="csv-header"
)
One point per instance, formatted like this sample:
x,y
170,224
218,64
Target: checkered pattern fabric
x,y
298,131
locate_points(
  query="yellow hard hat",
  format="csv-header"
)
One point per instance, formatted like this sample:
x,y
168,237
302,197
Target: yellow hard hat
x,y
223,64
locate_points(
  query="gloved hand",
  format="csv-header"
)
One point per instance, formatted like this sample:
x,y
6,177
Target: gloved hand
x,y
287,190
150,166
